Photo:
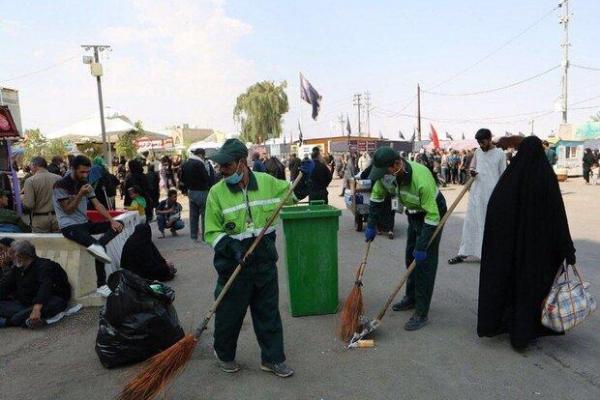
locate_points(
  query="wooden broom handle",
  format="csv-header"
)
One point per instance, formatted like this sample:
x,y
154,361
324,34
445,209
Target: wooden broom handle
x,y
413,264
363,263
251,249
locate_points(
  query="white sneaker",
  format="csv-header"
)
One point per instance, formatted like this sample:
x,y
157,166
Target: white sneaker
x,y
99,253
103,291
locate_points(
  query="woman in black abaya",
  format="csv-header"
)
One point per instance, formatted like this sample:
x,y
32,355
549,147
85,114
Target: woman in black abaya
x,y
141,256
526,239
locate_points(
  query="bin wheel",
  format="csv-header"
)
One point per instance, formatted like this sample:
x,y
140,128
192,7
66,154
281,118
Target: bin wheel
x,y
358,222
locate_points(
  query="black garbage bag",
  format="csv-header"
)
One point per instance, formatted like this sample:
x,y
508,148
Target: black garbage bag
x,y
137,321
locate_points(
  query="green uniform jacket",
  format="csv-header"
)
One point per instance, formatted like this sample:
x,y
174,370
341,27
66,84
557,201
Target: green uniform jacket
x,y
418,193
235,214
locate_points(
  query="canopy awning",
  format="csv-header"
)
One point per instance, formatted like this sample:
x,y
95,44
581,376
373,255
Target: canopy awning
x,y
89,129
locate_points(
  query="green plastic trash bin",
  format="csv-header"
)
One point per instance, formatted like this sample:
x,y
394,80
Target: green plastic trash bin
x,y
311,252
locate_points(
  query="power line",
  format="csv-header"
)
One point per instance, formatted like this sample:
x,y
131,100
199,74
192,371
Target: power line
x,y
585,100
494,89
491,120
40,70
584,67
493,52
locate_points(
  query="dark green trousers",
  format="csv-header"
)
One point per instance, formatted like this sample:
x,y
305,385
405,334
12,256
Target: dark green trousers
x,y
255,287
419,286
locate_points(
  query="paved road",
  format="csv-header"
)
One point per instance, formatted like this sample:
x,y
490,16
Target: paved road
x,y
445,360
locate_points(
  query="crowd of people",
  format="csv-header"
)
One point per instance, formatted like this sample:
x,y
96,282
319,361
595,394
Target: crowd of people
x,y
510,196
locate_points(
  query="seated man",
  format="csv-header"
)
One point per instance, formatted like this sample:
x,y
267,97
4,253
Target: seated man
x,y
70,197
5,257
10,220
168,214
36,289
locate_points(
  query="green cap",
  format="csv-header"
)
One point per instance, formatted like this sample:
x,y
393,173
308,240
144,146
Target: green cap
x,y
383,158
232,149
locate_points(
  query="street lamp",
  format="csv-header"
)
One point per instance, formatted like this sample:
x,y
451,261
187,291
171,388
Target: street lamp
x,y
96,70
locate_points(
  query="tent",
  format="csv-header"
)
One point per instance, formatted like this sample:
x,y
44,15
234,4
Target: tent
x,y
89,130
210,147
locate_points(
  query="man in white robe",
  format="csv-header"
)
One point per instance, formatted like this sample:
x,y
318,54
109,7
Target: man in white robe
x,y
487,166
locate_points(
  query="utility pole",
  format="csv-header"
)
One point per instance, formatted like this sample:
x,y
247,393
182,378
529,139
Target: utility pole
x,y
341,121
96,69
419,112
531,123
564,20
368,104
357,103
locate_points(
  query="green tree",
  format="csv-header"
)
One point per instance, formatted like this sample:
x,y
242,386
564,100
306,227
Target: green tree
x,y
55,147
34,144
139,125
259,111
125,145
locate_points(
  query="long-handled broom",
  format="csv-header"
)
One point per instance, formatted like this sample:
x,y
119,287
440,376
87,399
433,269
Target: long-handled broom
x,y
353,306
161,369
374,324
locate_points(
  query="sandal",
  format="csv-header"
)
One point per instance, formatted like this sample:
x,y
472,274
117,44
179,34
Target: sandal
x,y
456,260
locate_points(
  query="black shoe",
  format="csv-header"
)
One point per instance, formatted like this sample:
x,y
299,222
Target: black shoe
x,y
404,305
415,322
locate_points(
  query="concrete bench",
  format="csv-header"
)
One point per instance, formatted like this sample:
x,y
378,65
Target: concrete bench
x,y
76,261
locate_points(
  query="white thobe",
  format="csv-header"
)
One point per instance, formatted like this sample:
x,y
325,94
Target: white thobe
x,y
489,166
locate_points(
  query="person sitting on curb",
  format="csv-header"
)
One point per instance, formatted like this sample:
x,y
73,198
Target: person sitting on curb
x,y
35,290
141,256
6,264
168,214
70,197
10,220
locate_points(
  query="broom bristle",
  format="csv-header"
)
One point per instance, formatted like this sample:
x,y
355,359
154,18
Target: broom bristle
x,y
159,371
351,312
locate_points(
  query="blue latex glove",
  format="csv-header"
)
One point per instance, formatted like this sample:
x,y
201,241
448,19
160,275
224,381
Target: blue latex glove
x,y
419,255
370,234
307,166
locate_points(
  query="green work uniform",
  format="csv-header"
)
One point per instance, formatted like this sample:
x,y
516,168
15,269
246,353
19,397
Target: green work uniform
x,y
233,217
425,205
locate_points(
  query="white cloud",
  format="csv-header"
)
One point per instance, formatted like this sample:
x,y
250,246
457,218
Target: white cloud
x,y
177,63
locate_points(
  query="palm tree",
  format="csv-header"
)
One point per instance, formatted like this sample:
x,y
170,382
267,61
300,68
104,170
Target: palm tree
x,y
259,111
596,117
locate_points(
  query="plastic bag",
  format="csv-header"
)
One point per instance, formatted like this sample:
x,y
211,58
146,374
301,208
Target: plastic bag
x,y
137,321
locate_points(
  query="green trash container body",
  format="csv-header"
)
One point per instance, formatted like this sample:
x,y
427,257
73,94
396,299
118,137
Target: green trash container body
x,y
311,250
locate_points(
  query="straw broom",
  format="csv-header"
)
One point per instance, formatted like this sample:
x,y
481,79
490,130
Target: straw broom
x,y
353,306
161,369
370,326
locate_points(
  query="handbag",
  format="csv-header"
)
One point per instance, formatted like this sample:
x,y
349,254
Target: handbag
x,y
569,301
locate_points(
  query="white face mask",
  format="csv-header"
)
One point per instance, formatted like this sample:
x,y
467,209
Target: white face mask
x,y
389,180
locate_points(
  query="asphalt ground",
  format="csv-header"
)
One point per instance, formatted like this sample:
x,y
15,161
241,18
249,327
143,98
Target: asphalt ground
x,y
444,360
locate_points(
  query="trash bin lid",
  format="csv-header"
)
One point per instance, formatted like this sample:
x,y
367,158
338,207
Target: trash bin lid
x,y
315,209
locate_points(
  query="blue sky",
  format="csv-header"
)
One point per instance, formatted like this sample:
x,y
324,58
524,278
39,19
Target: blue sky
x,y
186,61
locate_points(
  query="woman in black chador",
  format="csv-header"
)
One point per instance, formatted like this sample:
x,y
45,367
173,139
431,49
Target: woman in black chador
x,y
526,240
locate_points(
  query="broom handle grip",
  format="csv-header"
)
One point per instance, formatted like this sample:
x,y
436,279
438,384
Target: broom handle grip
x,y
250,250
363,263
413,264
